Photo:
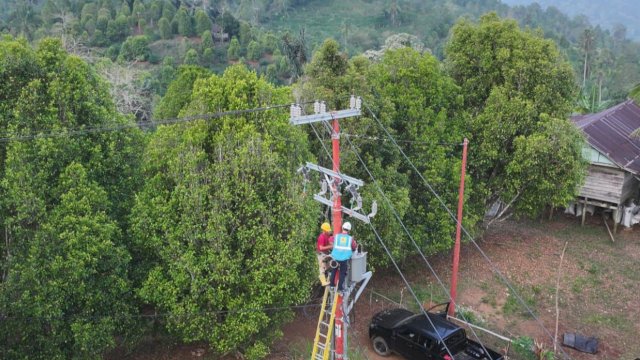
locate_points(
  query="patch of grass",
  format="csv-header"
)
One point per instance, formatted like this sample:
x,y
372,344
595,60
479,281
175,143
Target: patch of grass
x,y
631,272
579,284
613,321
469,316
594,269
490,299
512,305
301,349
426,294
592,280
357,354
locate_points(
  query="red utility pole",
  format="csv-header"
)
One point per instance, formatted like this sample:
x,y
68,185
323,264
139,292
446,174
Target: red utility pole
x,y
337,350
337,202
456,248
337,227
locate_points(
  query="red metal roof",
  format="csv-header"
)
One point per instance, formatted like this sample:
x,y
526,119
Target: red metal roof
x,y
609,132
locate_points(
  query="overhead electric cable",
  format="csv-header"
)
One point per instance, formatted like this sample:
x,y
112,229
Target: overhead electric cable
x,y
160,315
375,138
393,209
486,257
407,284
169,121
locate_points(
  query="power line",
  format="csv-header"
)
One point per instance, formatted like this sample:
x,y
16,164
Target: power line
x,y
406,283
374,138
160,315
169,121
486,257
354,149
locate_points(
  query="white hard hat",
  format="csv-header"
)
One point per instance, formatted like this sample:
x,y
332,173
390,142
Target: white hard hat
x,y
346,226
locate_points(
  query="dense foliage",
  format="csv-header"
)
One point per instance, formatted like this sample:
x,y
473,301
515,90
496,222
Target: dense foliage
x,y
204,225
518,90
65,284
222,223
609,14
216,34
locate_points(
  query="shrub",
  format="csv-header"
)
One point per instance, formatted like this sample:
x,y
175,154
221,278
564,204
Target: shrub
x,y
191,57
135,48
165,29
234,49
253,50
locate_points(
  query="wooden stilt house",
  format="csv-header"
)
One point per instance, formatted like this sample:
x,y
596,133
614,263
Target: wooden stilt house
x,y
614,156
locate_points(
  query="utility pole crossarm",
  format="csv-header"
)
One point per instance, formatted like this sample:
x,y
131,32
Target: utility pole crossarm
x,y
335,175
321,114
340,114
364,218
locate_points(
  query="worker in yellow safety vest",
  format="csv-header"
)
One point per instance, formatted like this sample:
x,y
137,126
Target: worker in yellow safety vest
x,y
343,247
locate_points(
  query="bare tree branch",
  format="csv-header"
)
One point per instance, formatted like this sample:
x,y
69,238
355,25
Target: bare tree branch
x,y
128,93
507,207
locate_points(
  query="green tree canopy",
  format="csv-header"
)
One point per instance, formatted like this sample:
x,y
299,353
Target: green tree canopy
x,y
419,103
185,22
511,79
233,52
203,23
179,92
221,222
66,195
165,28
69,296
135,48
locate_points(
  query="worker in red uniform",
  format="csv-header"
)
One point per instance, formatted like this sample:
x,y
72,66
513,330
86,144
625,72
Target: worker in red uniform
x,y
323,248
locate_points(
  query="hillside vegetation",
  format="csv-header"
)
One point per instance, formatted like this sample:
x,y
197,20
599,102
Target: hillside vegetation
x,y
614,15
276,37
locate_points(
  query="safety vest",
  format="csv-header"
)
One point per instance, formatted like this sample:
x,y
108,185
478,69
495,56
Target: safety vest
x,y
341,247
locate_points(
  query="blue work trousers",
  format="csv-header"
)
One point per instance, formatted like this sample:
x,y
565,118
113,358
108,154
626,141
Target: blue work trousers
x,y
343,266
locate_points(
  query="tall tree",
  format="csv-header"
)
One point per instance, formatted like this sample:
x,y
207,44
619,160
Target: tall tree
x,y
511,79
586,45
64,259
414,99
203,23
70,297
239,239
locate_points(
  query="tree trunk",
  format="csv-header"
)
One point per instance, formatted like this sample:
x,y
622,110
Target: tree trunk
x,y
584,71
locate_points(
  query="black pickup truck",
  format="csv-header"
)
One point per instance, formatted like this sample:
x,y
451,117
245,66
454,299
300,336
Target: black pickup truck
x,y
415,337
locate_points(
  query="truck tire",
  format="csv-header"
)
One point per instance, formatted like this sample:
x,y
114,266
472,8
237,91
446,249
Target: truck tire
x,y
380,346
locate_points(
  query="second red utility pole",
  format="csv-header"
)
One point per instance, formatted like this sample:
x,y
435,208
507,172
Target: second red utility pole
x,y
456,247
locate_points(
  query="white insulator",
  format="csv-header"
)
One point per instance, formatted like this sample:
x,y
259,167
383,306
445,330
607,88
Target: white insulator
x,y
352,102
323,107
316,107
358,103
292,110
298,110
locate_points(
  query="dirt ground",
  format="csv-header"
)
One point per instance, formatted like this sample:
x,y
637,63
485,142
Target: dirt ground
x,y
598,292
598,297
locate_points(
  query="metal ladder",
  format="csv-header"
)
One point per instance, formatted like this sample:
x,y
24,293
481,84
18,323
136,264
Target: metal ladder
x,y
324,332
